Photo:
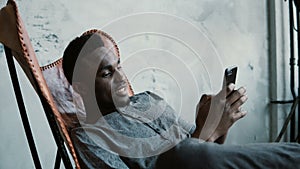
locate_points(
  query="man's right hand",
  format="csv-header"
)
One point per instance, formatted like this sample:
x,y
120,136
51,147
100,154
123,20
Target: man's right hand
x,y
216,114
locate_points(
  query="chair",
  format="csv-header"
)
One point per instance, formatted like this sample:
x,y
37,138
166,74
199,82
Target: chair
x,y
57,105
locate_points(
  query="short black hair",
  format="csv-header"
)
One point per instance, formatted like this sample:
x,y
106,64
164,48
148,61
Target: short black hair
x,y
72,52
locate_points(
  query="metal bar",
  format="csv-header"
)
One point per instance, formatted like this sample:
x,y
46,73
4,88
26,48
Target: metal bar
x,y
292,64
48,112
57,160
298,40
292,52
272,68
55,131
282,101
286,122
18,94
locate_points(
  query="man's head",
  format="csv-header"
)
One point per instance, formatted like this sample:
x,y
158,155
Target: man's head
x,y
91,65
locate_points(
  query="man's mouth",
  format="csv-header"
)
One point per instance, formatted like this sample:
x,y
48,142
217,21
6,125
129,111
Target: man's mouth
x,y
121,91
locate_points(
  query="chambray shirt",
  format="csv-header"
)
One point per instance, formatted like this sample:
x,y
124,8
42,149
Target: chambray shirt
x,y
133,137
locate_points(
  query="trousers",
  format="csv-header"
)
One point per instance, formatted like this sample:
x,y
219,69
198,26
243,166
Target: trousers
x,y
191,154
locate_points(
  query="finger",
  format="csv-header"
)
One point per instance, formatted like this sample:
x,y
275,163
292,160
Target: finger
x,y
226,91
229,89
236,95
239,115
237,105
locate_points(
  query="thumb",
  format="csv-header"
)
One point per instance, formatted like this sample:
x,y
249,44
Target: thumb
x,y
226,91
229,89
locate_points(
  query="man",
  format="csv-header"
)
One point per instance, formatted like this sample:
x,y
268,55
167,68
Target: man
x,y
143,131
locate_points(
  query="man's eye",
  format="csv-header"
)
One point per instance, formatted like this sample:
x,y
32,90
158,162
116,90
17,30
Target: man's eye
x,y
106,74
119,67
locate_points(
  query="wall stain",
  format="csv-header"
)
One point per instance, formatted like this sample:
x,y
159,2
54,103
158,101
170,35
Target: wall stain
x,y
251,67
1,49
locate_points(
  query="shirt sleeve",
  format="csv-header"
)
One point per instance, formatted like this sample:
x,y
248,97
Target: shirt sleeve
x,y
91,155
189,127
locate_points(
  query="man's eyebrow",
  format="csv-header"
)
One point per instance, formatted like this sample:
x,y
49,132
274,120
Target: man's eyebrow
x,y
109,66
106,67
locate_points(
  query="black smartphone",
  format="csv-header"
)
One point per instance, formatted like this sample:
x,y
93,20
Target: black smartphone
x,y
230,75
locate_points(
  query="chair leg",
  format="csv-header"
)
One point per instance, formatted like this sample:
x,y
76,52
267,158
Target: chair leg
x,y
18,94
57,160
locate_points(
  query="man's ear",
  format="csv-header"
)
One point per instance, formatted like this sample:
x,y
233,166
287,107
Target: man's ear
x,y
79,88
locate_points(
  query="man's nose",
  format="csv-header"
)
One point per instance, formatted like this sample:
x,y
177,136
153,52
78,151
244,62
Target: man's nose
x,y
119,76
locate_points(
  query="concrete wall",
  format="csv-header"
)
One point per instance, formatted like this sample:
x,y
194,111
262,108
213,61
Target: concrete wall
x,y
178,49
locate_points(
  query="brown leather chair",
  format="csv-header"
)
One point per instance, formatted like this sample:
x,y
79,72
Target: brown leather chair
x,y
57,104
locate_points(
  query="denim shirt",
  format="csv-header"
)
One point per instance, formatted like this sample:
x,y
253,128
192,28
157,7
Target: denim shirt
x,y
133,137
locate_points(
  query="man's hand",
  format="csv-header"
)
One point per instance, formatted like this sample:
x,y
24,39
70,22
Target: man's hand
x,y
216,114
232,110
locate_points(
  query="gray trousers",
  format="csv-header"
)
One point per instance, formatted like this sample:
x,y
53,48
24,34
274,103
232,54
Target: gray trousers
x,y
190,154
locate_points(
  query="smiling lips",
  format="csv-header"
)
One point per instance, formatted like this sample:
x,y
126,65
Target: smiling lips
x,y
121,91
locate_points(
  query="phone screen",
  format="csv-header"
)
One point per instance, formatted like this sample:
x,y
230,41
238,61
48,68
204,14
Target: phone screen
x,y
230,75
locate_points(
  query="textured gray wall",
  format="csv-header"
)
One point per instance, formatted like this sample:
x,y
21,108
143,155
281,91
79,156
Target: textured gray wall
x,y
234,31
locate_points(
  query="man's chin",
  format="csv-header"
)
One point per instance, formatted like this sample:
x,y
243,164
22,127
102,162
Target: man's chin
x,y
121,102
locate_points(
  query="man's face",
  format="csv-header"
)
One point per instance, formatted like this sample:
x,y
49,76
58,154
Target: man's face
x,y
110,84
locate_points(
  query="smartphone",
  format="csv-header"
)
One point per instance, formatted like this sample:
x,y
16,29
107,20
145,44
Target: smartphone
x,y
230,75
